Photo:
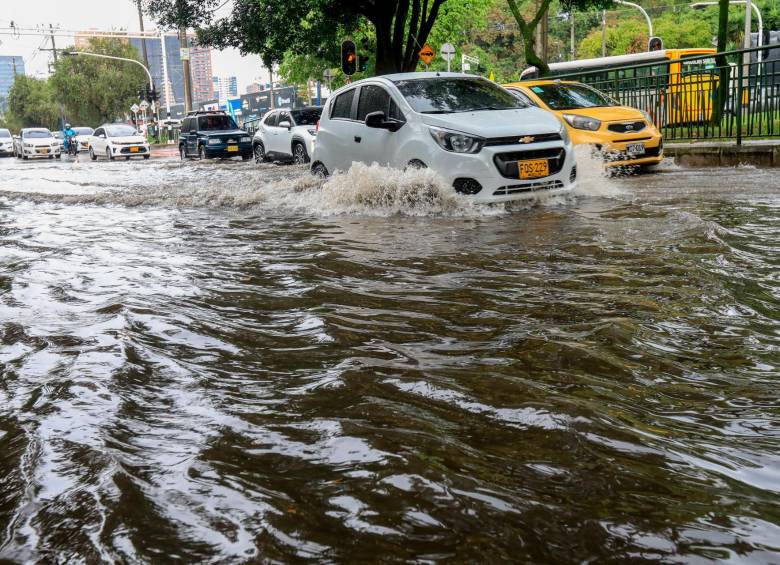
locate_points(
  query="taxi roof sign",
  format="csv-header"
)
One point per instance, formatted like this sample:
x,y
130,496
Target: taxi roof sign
x,y
427,54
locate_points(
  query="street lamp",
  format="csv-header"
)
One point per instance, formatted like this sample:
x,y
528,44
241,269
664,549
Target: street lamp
x,y
644,13
701,5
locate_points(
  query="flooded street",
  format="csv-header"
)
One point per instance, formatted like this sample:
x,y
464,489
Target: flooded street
x,y
214,362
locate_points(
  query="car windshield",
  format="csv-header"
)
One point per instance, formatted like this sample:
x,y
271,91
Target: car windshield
x,y
560,96
216,123
449,95
84,131
308,117
59,135
37,134
4,133
120,131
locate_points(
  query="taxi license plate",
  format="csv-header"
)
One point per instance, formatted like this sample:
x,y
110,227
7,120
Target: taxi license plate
x,y
134,150
533,169
635,148
42,150
232,148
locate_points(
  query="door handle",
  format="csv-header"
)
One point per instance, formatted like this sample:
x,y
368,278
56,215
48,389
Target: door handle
x,y
358,139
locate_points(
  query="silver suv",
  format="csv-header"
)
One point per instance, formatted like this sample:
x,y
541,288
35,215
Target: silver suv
x,y
287,135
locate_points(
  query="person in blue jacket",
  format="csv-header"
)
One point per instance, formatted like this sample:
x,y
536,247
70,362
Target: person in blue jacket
x,y
68,133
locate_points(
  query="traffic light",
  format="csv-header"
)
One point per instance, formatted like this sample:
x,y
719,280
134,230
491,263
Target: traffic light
x,y
363,63
348,58
153,95
142,93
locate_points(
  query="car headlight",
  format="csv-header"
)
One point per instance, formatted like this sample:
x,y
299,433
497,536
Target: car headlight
x,y
582,122
215,141
245,140
564,133
457,142
312,132
29,145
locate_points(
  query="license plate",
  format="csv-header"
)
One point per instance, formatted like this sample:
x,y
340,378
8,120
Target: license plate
x,y
533,169
42,150
232,148
134,150
635,148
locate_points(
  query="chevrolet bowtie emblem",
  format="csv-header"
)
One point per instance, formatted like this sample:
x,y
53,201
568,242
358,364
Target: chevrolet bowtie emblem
x,y
527,139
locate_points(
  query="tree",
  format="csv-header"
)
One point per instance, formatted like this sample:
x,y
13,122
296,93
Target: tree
x,y
528,27
94,90
31,104
270,28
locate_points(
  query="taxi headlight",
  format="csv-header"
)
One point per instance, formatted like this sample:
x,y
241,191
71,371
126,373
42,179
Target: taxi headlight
x,y
582,122
457,142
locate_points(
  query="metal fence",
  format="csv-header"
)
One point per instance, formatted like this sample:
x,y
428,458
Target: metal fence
x,y
681,95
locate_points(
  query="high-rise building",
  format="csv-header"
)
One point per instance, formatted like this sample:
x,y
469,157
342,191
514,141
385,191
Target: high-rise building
x,y
200,70
10,67
225,87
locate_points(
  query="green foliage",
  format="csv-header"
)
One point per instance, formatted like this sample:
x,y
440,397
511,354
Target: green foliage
x,y
95,90
31,104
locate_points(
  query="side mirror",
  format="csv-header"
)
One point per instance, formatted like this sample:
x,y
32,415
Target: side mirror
x,y
285,124
102,136
378,120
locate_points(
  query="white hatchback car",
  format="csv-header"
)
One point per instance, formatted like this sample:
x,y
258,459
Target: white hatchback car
x,y
287,135
36,142
118,140
484,142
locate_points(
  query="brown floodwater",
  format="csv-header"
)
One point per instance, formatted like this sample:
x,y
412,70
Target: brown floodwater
x,y
217,363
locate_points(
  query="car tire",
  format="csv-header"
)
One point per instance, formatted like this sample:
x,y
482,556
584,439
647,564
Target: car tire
x,y
58,156
24,157
300,155
109,156
92,154
146,157
183,153
319,170
416,164
127,158
259,152
202,152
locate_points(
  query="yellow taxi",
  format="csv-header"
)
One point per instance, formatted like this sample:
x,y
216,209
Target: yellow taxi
x,y
625,136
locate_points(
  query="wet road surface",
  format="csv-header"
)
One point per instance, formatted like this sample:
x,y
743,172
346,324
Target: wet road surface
x,y
215,362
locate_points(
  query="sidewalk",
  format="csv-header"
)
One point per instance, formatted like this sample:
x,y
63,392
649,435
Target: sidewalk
x,y
759,152
165,150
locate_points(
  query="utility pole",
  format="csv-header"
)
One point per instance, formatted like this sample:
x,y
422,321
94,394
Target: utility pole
x,y
573,48
185,63
54,46
143,41
748,43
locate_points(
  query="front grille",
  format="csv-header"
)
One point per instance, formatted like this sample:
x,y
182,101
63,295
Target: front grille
x,y
516,139
634,140
127,151
528,187
507,162
626,127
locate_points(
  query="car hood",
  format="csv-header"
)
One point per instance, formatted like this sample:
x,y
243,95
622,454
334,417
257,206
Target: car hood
x,y
128,139
610,114
497,123
42,140
220,133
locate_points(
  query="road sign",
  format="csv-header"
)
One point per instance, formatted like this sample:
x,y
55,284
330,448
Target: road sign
x,y
144,105
134,108
427,54
448,52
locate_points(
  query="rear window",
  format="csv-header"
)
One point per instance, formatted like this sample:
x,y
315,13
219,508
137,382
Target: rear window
x,y
308,117
342,106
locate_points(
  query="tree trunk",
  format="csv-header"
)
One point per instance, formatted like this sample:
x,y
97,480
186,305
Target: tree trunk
x,y
386,58
527,32
722,64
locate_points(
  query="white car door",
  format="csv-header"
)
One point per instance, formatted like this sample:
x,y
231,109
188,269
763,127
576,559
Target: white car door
x,y
375,145
98,143
283,139
337,135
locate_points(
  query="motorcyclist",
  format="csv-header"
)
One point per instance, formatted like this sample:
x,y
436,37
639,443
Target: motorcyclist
x,y
68,134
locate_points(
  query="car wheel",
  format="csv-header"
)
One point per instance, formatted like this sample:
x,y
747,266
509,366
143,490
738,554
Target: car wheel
x,y
319,170
127,158
201,152
92,154
146,157
300,156
259,152
109,156
416,164
24,157
58,156
183,153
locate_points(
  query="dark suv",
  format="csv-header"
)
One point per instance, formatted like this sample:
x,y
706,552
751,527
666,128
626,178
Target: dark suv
x,y
209,135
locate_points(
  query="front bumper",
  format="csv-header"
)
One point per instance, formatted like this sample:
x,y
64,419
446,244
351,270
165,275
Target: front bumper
x,y
38,151
613,146
138,150
498,188
224,151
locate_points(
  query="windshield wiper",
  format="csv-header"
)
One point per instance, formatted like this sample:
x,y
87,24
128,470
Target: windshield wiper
x,y
437,112
481,108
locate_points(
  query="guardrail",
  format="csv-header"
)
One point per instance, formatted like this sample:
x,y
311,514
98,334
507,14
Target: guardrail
x,y
681,95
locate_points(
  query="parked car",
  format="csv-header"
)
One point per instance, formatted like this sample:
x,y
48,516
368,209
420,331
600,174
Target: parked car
x,y
118,140
622,135
37,142
84,137
6,143
479,137
212,134
287,135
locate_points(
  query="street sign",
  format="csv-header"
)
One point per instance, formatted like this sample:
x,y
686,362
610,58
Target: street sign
x,y
427,54
134,108
184,53
144,105
448,52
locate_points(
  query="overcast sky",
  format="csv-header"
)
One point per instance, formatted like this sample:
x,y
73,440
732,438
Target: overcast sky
x,y
101,14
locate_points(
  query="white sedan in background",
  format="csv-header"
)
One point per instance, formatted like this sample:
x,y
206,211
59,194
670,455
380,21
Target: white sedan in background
x,y
37,142
116,141
84,137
